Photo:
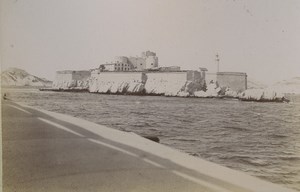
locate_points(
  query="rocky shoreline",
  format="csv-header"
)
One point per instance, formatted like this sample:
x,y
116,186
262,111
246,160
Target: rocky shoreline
x,y
212,91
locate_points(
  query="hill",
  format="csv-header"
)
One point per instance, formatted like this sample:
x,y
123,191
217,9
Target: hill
x,y
287,86
19,77
253,84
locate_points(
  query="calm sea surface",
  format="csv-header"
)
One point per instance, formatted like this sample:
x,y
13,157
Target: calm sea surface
x,y
262,139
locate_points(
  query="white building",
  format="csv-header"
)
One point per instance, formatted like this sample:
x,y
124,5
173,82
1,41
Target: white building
x,y
147,60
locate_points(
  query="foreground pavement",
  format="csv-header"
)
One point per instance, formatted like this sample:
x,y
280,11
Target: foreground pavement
x,y
46,151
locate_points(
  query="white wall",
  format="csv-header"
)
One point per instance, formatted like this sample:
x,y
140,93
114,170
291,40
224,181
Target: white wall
x,y
169,83
71,80
117,82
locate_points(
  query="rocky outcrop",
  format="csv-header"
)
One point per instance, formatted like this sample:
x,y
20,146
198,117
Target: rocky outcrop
x,y
19,77
212,90
259,95
262,95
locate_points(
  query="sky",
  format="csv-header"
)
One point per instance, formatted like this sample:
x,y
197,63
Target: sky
x,y
259,37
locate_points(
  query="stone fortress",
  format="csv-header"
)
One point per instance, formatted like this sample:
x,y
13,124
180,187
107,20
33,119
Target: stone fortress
x,y
147,60
143,76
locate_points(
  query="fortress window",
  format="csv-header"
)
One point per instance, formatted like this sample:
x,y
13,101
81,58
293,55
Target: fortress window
x,y
141,63
151,63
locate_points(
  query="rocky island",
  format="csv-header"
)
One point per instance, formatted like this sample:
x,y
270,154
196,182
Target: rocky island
x,y
143,76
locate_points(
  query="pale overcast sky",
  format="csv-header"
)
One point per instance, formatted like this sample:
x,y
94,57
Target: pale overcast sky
x,y
259,37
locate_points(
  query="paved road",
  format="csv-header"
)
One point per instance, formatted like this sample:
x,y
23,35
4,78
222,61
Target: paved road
x,y
39,156
44,153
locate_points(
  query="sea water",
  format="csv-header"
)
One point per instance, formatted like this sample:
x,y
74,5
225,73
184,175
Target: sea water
x,y
261,139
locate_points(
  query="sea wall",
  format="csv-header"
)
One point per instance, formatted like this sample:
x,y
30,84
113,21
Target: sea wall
x,y
117,82
236,81
67,80
183,83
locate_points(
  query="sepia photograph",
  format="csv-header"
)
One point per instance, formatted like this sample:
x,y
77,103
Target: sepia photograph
x,y
150,95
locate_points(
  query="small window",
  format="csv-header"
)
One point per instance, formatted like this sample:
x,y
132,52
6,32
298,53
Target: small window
x,y
141,64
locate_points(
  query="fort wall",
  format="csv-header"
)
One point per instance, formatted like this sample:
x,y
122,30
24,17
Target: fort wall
x,y
81,75
173,83
234,80
152,83
169,83
71,80
117,82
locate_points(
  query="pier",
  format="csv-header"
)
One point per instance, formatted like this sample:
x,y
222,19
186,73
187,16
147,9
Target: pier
x,y
47,151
